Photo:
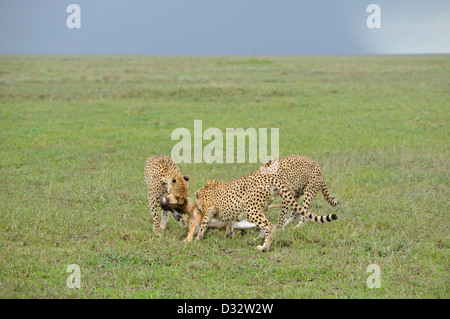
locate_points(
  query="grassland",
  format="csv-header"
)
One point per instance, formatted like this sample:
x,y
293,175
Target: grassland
x,y
76,131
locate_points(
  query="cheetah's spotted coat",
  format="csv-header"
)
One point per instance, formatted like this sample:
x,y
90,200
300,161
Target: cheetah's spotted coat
x,y
163,176
247,197
304,177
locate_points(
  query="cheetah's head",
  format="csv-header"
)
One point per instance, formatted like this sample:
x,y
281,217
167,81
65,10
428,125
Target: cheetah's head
x,y
179,187
270,166
203,196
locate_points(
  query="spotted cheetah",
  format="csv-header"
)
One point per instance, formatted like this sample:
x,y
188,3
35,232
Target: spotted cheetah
x,y
304,177
163,176
195,216
247,197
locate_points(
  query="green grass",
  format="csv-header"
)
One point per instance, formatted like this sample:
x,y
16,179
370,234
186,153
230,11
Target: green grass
x,y
76,131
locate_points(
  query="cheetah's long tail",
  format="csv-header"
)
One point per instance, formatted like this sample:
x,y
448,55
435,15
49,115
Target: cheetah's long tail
x,y
286,194
320,219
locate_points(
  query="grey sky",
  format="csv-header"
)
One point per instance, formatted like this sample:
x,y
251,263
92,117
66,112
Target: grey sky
x,y
225,27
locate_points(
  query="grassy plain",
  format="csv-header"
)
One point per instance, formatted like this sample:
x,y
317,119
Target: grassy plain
x,y
76,131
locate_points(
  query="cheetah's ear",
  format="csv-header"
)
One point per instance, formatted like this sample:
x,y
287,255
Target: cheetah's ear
x,y
196,194
268,163
186,178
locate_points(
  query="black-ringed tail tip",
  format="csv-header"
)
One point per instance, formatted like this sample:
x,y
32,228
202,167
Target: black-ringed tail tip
x,y
323,219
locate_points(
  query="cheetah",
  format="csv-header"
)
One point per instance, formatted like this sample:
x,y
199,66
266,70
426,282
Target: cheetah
x,y
163,176
247,197
304,177
195,216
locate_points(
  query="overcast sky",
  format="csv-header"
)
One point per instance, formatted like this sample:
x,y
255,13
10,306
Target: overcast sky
x,y
224,27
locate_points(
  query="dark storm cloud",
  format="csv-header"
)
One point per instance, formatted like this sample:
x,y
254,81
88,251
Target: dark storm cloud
x,y
212,27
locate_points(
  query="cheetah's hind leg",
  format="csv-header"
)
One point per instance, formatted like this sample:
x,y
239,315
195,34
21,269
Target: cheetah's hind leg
x,y
331,200
269,234
266,228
